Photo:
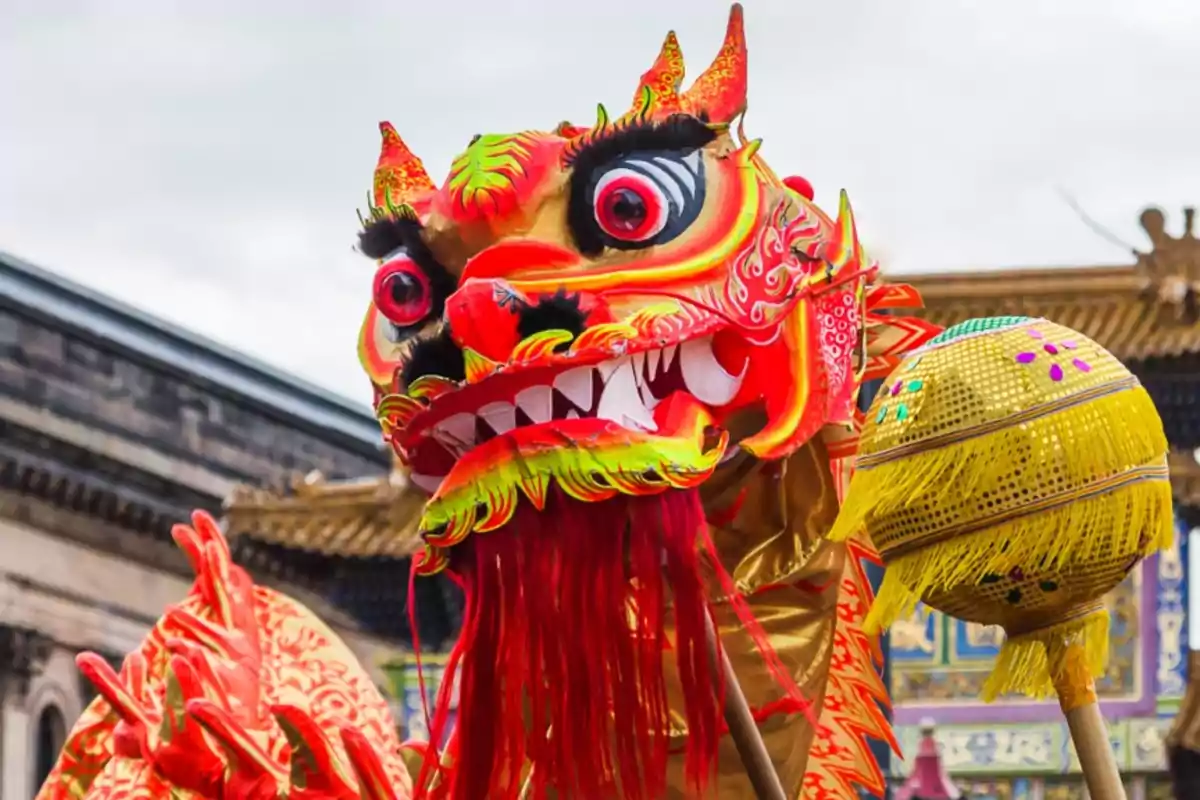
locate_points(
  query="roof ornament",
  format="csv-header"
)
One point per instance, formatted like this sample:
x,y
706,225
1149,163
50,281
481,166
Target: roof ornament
x,y
1173,266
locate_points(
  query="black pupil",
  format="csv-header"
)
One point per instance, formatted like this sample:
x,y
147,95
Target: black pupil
x,y
626,209
405,289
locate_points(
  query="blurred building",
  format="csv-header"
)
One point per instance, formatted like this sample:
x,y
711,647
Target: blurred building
x,y
114,425
1147,313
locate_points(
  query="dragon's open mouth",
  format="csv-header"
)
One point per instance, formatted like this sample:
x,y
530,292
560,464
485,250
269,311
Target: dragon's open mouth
x,y
635,423
625,390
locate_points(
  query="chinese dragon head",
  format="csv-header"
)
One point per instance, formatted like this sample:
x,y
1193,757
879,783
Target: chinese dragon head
x,y
613,309
573,338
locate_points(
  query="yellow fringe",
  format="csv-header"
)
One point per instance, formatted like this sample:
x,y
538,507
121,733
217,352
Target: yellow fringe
x,y
1024,663
1084,544
1099,529
1065,537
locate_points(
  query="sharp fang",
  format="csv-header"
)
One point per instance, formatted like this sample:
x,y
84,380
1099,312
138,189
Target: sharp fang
x,y
458,431
668,356
703,375
426,483
652,363
572,414
576,386
537,402
607,368
621,403
502,417
639,365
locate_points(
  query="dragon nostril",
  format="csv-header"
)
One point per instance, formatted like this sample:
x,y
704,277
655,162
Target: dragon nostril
x,y
556,312
438,356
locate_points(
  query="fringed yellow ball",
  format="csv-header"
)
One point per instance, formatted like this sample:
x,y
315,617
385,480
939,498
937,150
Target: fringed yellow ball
x,y
1012,472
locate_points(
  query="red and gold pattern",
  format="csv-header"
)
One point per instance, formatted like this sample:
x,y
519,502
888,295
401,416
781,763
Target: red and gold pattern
x,y
702,314
238,692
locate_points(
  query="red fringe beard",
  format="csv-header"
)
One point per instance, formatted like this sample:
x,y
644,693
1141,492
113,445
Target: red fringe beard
x,y
561,656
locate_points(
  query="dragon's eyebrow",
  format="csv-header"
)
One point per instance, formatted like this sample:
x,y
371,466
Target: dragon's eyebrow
x,y
678,132
384,235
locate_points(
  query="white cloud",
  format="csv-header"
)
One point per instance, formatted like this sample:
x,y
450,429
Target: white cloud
x,y
205,160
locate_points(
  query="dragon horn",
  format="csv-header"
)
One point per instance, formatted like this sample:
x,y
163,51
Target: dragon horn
x,y
721,91
112,688
660,84
250,757
373,781
315,764
844,249
400,177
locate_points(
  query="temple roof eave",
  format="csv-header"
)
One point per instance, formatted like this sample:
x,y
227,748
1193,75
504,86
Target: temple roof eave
x,y
354,519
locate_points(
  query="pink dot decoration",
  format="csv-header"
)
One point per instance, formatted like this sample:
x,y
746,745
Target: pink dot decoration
x,y
1081,365
1035,333
1056,373
1050,348
1026,358
896,387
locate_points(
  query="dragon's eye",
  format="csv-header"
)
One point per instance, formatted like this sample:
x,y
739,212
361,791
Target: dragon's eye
x,y
630,206
643,199
402,292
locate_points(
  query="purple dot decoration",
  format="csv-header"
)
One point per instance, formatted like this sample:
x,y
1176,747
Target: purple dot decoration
x,y
896,387
1056,371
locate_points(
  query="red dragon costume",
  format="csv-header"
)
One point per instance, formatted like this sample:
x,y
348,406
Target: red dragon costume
x,y
623,359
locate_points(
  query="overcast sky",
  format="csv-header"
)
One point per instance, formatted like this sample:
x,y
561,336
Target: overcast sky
x,y
204,160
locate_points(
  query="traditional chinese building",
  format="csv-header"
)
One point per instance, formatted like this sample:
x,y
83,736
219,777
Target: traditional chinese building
x,y
1147,313
114,425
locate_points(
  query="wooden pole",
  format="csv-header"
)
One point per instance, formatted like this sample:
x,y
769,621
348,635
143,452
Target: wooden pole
x,y
742,728
1077,697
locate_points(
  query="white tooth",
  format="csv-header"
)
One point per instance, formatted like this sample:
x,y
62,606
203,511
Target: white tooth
x,y
501,416
607,368
652,362
621,403
639,364
668,355
537,402
428,483
457,430
703,375
576,386
572,414
692,159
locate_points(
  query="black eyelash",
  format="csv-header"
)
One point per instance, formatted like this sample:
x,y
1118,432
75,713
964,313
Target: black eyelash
x,y
437,356
383,236
677,132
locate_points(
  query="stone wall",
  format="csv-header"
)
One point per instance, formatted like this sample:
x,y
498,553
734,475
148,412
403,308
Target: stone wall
x,y
166,409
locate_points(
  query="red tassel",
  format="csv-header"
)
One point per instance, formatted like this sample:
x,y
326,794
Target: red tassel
x,y
562,653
